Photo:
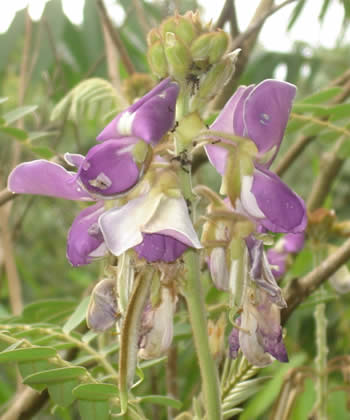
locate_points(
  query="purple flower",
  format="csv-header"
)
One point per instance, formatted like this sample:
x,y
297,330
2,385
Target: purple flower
x,y
149,118
259,334
261,113
107,171
41,177
157,226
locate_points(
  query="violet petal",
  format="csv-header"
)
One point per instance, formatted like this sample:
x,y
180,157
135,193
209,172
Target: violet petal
x,y
283,209
266,113
42,177
85,241
156,247
109,168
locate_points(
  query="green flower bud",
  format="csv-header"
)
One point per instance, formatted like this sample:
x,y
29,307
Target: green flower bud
x,y
209,47
153,36
157,60
185,30
178,56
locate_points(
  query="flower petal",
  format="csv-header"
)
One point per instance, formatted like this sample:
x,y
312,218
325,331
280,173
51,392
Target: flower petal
x,y
121,227
283,209
109,169
294,242
74,159
278,263
219,271
224,122
171,218
85,241
149,118
266,113
157,247
46,178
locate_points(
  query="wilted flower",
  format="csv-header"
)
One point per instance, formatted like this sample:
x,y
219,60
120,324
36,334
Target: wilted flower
x,y
258,332
102,312
260,113
157,326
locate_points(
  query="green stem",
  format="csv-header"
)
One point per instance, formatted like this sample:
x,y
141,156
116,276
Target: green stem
x,y
321,361
196,309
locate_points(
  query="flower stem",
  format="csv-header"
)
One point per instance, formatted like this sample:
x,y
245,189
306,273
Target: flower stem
x,y
321,361
196,309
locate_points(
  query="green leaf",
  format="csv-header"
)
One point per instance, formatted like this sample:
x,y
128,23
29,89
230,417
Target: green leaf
x,y
316,109
295,14
53,376
339,112
294,125
28,354
35,135
233,412
148,363
14,132
19,113
313,129
77,317
344,151
162,400
43,151
323,96
45,310
32,367
94,410
95,392
62,394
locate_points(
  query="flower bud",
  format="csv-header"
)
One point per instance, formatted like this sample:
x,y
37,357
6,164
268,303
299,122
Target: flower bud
x,y
153,36
178,56
157,60
212,82
210,47
157,327
102,312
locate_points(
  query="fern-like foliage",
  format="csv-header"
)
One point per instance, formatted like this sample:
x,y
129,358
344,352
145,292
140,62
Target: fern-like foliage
x,y
90,98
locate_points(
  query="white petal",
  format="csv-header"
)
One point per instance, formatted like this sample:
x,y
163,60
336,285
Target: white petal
x,y
124,125
218,268
122,227
248,199
172,218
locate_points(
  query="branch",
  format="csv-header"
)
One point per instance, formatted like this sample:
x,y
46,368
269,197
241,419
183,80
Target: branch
x,y
299,289
24,404
228,14
6,195
114,34
331,164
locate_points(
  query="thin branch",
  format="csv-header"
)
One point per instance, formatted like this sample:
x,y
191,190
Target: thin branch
x,y
25,403
116,38
299,289
141,17
6,195
228,14
331,165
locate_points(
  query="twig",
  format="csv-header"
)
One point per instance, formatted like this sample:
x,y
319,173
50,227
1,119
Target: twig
x,y
116,38
299,289
6,195
24,404
141,17
331,166
228,14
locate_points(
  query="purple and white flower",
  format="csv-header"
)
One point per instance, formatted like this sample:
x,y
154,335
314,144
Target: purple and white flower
x,y
261,113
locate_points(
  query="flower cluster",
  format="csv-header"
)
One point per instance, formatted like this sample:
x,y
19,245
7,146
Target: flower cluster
x,y
139,210
257,201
